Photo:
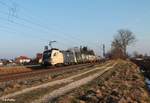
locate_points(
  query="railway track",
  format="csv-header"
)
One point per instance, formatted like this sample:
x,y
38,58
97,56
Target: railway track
x,y
76,74
17,76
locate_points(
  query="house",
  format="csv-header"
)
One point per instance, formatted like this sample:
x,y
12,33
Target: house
x,y
23,60
1,63
4,62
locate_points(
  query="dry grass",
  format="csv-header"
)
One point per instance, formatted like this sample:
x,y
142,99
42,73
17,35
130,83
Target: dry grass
x,y
124,84
11,70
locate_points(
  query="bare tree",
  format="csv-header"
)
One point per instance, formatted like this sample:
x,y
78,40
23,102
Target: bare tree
x,y
123,39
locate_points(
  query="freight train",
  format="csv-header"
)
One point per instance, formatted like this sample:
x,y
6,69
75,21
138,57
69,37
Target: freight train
x,y
55,57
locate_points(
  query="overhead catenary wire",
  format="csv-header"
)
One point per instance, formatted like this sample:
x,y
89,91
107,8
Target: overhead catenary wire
x,y
43,27
32,28
3,3
12,31
69,37
39,24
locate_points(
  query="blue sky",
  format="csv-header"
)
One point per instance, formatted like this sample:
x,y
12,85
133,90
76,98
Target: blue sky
x,y
71,23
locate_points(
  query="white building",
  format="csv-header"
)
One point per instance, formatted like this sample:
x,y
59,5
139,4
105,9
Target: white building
x,y
1,63
23,59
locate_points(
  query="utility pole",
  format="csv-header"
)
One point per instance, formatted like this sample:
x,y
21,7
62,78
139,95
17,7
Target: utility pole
x,y
103,50
50,43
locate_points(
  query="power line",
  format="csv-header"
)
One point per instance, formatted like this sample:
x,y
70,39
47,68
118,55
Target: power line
x,y
30,27
39,25
47,28
3,3
14,31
